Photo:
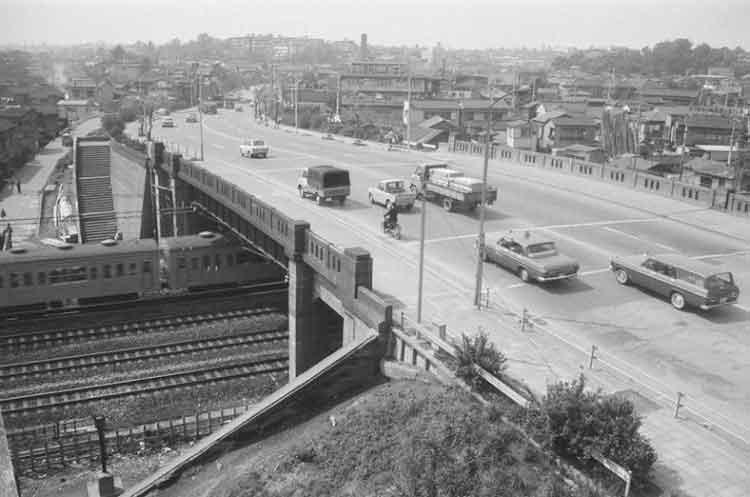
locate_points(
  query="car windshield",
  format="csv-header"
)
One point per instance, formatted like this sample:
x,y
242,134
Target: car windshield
x,y
258,143
541,249
719,281
395,187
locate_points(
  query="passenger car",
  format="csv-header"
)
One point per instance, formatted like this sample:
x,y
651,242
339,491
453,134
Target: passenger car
x,y
324,183
685,281
191,118
532,256
327,136
392,191
167,122
359,143
254,148
238,108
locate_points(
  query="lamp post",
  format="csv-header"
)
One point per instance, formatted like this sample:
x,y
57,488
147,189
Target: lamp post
x,y
480,240
200,112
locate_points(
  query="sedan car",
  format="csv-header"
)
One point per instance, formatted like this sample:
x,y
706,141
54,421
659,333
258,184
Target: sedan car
x,y
328,136
167,122
191,118
254,148
359,143
684,281
531,256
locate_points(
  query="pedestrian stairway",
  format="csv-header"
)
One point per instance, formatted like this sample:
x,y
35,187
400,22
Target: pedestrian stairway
x,y
95,201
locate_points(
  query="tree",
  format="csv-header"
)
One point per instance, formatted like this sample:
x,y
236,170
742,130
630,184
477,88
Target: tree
x,y
118,53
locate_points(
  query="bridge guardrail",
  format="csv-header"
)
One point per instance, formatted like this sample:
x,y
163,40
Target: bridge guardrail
x,y
627,178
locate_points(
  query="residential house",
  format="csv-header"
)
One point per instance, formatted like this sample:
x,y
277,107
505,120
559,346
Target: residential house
x,y
707,129
709,173
660,165
582,152
652,127
518,134
558,129
669,96
432,132
74,110
470,115
81,89
674,122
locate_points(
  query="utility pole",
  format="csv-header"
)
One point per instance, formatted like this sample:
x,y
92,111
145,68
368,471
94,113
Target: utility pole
x,y
296,105
200,113
482,206
408,107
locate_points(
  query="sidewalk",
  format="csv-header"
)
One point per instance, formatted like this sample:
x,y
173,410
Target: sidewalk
x,y
692,457
23,209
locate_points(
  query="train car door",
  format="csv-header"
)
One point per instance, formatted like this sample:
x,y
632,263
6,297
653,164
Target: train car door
x,y
181,273
148,274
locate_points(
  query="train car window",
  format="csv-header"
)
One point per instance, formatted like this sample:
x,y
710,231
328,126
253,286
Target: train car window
x,y
147,267
206,263
181,263
107,271
67,275
14,280
194,263
93,272
133,269
41,278
1,281
230,260
218,262
28,279
120,269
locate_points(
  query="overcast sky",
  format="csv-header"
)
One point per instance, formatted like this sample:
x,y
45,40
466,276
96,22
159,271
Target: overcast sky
x,y
457,24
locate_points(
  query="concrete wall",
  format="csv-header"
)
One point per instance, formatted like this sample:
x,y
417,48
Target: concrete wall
x,y
627,178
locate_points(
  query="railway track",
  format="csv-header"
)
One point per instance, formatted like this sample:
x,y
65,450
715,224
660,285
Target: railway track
x,y
27,404
38,339
153,307
31,369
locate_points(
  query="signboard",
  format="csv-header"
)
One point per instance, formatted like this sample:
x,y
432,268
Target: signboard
x,y
623,473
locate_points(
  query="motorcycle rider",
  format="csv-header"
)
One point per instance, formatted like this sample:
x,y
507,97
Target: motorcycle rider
x,y
391,217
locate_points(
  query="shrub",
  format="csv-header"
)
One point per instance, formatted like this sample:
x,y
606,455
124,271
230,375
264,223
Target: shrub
x,y
478,351
574,423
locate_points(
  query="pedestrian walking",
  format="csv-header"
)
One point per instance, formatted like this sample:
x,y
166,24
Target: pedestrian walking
x,y
2,213
18,185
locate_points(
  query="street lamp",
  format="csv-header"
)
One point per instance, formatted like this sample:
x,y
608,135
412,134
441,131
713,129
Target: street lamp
x,y
480,241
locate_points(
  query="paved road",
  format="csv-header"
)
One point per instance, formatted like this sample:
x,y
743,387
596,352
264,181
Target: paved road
x,y
702,354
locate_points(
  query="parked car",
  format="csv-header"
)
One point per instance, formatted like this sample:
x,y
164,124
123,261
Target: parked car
x,y
328,136
531,256
191,118
359,143
167,122
324,183
685,281
254,148
238,108
67,139
392,191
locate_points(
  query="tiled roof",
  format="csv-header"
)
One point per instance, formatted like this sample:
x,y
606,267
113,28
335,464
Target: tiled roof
x,y
708,167
575,121
708,121
543,118
669,92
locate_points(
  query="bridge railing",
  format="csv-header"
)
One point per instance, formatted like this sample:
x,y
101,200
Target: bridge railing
x,y
628,178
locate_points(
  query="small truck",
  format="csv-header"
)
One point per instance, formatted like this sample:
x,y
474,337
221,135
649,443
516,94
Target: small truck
x,y
392,192
450,188
324,183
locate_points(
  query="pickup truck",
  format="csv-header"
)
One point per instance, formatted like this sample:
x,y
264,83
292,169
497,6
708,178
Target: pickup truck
x,y
392,191
254,148
451,188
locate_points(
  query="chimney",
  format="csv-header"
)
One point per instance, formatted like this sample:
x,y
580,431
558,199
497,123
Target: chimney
x,y
363,52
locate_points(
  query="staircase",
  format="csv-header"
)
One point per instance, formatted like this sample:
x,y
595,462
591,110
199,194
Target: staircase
x,y
95,201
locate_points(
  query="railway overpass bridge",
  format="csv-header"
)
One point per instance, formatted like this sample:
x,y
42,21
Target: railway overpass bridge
x,y
331,302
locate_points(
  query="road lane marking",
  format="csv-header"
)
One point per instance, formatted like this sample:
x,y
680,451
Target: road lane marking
x,y
581,274
719,256
635,237
549,227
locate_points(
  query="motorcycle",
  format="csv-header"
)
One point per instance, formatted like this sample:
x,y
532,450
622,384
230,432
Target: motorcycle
x,y
392,229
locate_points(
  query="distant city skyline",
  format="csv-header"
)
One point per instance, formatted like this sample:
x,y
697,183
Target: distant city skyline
x,y
474,24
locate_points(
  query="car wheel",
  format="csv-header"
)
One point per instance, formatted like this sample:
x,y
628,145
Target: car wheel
x,y
621,276
409,207
677,300
448,204
524,274
342,200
